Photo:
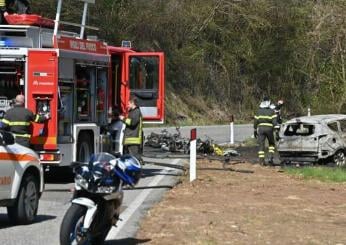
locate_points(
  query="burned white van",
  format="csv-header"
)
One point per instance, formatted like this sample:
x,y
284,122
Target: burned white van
x,y
320,138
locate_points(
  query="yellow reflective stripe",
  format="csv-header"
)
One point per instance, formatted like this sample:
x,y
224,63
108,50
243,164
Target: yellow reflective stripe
x,y
271,151
265,117
266,124
129,141
2,3
140,129
19,123
23,135
261,152
37,118
128,121
271,147
15,123
6,121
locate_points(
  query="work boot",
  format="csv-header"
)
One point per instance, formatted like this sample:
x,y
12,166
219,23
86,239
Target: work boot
x,y
271,162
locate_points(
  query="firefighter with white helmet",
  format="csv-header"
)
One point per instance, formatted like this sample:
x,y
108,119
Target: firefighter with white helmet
x,y
264,122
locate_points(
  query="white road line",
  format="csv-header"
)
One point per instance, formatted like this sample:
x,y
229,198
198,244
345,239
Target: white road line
x,y
130,210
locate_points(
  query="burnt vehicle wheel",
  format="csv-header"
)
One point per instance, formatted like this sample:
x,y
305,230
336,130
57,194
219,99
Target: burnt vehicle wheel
x,y
339,159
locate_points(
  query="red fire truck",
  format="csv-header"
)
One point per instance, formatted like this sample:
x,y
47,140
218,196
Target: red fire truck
x,y
80,81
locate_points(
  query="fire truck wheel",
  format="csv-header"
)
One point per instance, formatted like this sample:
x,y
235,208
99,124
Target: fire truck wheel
x,y
84,147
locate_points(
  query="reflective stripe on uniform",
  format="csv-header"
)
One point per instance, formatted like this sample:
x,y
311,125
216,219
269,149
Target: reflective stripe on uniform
x,y
2,3
23,135
261,154
15,123
265,117
128,121
6,121
133,141
37,118
271,149
266,124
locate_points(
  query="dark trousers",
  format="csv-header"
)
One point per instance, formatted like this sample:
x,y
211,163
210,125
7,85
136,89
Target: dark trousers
x,y
134,150
264,133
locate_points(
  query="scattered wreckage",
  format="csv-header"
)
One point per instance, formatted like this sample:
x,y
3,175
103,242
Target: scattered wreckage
x,y
174,142
314,139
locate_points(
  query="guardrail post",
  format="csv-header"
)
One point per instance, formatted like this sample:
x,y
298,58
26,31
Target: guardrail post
x,y
231,130
193,154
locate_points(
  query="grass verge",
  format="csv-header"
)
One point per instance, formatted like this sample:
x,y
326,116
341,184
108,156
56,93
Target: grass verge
x,y
326,174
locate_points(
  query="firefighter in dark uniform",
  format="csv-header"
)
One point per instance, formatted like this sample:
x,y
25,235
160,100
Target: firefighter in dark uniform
x,y
133,132
18,121
264,123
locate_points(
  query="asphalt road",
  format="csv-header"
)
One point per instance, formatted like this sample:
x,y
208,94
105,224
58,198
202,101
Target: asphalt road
x,y
159,176
219,133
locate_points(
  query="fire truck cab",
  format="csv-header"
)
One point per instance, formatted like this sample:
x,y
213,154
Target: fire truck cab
x,y
80,82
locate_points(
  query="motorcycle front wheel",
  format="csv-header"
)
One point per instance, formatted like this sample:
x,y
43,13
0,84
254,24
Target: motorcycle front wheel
x,y
71,229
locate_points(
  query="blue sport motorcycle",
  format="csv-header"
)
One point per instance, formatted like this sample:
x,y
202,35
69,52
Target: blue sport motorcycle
x,y
97,197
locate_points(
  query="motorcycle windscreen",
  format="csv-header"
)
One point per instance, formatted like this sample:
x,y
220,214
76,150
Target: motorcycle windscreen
x,y
145,76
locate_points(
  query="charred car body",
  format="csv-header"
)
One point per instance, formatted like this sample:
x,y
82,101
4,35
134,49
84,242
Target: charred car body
x,y
313,139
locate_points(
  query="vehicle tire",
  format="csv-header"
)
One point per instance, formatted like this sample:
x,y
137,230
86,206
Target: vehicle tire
x,y
25,209
339,159
84,147
70,229
100,239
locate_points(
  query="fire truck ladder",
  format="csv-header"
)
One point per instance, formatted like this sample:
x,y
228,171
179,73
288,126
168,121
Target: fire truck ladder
x,y
82,25
27,36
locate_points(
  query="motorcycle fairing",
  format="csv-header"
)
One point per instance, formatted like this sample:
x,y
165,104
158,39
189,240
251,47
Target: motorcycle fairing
x,y
91,210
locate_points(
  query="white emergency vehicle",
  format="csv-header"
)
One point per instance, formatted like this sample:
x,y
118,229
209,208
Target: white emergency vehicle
x,y
21,180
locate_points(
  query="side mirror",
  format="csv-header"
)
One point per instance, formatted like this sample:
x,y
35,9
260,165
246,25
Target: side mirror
x,y
6,138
